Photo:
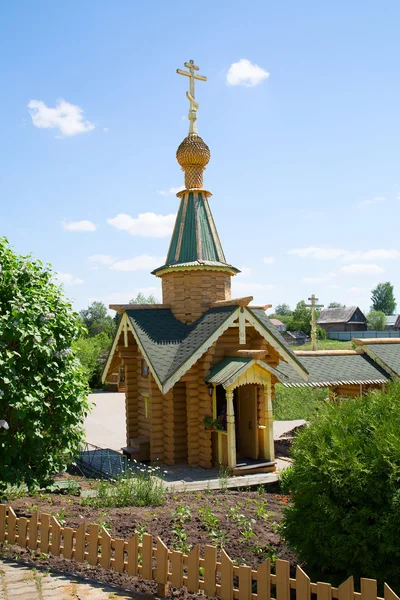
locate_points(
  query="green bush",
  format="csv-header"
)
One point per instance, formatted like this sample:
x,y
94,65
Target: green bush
x,y
42,388
344,517
296,403
92,352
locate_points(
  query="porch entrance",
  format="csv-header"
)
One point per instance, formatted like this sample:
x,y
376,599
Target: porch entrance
x,y
245,408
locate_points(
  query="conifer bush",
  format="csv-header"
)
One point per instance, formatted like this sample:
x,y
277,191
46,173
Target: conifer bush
x,y
42,386
344,514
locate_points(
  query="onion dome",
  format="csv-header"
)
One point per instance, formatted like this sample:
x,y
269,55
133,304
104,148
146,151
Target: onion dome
x,y
193,155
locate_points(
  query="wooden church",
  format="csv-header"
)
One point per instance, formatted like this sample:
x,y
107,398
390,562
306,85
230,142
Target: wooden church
x,y
201,367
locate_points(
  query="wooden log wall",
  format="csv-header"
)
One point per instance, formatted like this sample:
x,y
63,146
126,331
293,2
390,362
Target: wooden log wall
x,y
130,357
180,426
143,387
159,424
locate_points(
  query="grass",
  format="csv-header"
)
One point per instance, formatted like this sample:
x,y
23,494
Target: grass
x,y
328,345
297,403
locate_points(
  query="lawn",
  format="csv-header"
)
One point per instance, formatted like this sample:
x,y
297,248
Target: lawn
x,y
327,345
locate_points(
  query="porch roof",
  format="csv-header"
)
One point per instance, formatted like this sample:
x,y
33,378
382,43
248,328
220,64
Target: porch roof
x,y
230,368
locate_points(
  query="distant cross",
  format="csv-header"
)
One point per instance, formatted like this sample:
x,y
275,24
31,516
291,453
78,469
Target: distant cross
x,y
190,94
313,321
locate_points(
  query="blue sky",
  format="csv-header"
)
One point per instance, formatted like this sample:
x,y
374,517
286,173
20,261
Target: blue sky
x,y
304,140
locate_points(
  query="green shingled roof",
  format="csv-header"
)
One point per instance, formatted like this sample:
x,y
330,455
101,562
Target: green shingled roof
x,y
231,367
387,354
335,369
195,240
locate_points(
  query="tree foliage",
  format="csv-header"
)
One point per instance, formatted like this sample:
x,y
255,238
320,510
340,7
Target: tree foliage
x,y
376,320
336,305
142,299
344,516
42,387
283,310
92,353
383,298
97,320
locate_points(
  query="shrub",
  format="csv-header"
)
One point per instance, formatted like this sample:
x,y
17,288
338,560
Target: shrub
x,y
344,517
142,487
42,388
92,353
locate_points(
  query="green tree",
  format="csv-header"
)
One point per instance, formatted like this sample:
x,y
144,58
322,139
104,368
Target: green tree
x,y
383,298
376,320
97,320
301,318
92,353
336,305
42,387
142,299
344,517
283,310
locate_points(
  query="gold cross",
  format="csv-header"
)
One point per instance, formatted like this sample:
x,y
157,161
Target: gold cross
x,y
313,321
190,94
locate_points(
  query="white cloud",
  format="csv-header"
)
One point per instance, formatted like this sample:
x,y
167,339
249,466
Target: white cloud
x,y
79,226
376,200
361,269
245,73
372,255
320,278
172,190
101,259
269,260
67,279
356,290
66,117
105,129
318,253
138,263
145,224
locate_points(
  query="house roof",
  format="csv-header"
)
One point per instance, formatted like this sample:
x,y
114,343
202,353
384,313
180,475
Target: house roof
x,y
337,315
336,369
231,367
391,320
386,354
277,322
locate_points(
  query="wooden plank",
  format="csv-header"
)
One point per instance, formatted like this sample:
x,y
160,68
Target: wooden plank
x,y
147,557
44,528
389,593
324,591
105,558
264,581
369,589
68,536
93,547
80,543
55,537
2,522
12,526
177,569
245,583
210,570
33,531
303,590
193,564
346,589
22,531
162,569
282,580
119,555
226,591
133,550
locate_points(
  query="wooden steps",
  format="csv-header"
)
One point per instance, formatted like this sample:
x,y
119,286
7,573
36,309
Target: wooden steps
x,y
253,468
138,449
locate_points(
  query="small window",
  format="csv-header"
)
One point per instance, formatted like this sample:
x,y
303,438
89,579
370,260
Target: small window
x,y
145,369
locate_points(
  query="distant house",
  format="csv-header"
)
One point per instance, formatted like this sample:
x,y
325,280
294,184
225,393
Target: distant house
x,y
391,321
278,324
342,319
295,338
397,323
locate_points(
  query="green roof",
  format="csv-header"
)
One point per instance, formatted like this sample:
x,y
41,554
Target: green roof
x,y
335,369
388,354
195,240
231,367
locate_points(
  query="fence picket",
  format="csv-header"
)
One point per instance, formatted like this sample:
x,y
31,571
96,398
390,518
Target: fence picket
x,y
93,549
210,570
369,589
55,545
177,569
303,588
324,591
2,522
245,583
226,591
264,581
68,536
80,543
282,580
119,548
33,531
44,532
346,589
162,569
105,558
22,531
389,593
193,564
12,526
147,557
133,558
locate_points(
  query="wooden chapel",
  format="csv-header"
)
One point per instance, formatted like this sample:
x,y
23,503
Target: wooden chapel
x,y
201,367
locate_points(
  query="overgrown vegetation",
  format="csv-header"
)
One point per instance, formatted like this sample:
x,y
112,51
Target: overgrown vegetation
x,y
42,387
344,516
297,403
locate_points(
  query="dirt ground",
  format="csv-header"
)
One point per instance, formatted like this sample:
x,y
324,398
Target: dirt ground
x,y
244,523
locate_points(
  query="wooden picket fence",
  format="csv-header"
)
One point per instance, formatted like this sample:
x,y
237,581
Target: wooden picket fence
x,y
222,578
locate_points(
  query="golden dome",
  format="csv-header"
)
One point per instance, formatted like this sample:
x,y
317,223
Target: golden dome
x,y
193,155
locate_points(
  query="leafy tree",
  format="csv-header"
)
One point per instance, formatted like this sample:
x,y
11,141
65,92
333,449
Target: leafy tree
x,y
376,320
344,517
142,299
97,320
283,310
42,387
336,305
383,298
301,318
92,353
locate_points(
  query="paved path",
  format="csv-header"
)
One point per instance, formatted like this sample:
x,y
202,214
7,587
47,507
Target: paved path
x,y
22,582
